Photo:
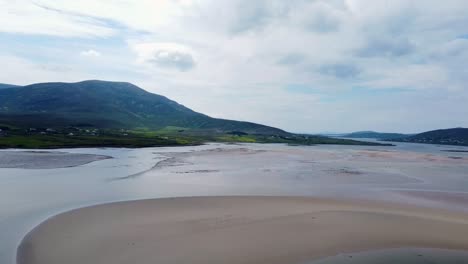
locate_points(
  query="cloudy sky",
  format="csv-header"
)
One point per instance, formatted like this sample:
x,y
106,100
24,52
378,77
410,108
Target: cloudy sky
x,y
304,66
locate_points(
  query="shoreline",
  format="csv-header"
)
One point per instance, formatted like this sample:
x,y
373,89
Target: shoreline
x,y
50,159
89,146
236,229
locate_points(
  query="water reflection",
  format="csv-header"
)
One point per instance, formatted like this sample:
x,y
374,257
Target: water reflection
x,y
388,173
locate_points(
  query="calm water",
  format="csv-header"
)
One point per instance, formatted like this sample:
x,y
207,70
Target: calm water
x,y
399,256
28,196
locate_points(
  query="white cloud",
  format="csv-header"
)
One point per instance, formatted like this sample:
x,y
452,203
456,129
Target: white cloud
x,y
204,53
90,53
417,76
30,17
165,55
37,72
86,18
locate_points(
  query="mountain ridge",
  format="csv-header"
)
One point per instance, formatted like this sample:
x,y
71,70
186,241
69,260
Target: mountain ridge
x,y
105,104
97,113
6,85
450,136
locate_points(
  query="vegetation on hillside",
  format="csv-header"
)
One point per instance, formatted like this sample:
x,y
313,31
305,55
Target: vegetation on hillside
x,y
4,85
106,105
116,114
452,136
169,136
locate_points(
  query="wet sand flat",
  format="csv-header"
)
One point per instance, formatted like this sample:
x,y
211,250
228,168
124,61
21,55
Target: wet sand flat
x,y
399,256
236,230
45,159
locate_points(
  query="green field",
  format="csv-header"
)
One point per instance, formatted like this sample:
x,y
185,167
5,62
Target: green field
x,y
168,136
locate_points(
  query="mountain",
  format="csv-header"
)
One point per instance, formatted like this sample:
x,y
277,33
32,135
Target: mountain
x,y
102,104
4,85
451,136
376,135
119,114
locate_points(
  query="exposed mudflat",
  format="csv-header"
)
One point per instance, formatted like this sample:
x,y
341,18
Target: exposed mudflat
x,y
45,159
416,174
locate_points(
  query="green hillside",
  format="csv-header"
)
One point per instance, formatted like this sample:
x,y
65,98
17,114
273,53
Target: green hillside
x,y
103,104
4,85
451,136
118,114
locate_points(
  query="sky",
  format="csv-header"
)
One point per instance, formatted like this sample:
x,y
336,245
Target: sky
x,y
303,66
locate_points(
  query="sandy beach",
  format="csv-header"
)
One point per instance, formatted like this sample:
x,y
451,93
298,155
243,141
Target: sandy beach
x,y
236,230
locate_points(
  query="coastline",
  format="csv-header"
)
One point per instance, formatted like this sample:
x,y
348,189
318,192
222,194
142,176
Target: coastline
x,y
49,159
236,229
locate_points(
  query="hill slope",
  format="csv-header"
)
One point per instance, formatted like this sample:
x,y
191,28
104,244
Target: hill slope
x,y
4,85
103,104
451,136
119,114
376,135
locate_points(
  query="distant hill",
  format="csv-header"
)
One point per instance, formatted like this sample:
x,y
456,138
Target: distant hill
x,y
4,85
103,104
452,136
119,114
376,135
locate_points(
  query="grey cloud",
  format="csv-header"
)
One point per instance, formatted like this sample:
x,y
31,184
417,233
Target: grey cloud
x,y
255,15
386,47
320,18
455,48
322,23
179,60
55,68
250,15
292,59
341,71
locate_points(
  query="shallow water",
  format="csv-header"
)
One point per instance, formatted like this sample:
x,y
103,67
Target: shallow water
x,y
45,159
399,256
409,173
